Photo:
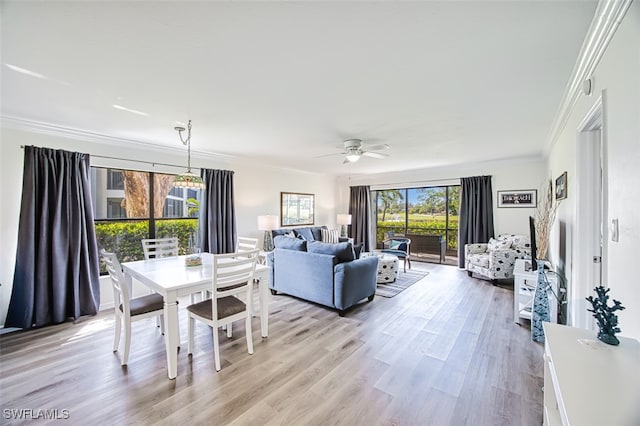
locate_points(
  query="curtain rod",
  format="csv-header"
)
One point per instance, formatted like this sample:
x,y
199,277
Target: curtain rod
x,y
417,182
153,163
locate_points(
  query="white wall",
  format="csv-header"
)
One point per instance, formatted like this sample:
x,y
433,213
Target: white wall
x,y
617,76
257,188
513,174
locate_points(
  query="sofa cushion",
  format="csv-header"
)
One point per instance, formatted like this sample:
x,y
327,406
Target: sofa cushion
x,y
317,232
330,235
398,245
494,244
516,242
305,233
342,251
276,232
357,249
289,243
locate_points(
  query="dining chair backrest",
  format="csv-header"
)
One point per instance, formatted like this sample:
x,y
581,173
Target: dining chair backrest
x,y
155,248
246,244
233,272
120,289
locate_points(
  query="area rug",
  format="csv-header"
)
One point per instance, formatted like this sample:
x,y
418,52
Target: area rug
x,y
403,282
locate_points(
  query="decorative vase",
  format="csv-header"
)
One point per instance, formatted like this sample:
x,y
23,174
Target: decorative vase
x,y
540,310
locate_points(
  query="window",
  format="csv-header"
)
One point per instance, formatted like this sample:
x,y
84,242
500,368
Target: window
x,y
131,205
173,207
417,212
114,208
114,179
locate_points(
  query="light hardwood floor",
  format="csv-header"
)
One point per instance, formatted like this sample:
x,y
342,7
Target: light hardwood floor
x,y
443,352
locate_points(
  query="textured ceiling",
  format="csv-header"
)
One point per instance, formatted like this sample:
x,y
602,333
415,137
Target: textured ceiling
x,y
440,82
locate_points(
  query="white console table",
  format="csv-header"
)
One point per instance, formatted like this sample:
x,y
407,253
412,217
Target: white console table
x,y
587,382
525,282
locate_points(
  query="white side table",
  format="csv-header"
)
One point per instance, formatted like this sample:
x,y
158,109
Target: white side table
x,y
524,289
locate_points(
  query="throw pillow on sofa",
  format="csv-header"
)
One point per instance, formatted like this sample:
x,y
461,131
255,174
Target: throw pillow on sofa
x,y
494,244
289,243
357,250
342,251
330,236
305,233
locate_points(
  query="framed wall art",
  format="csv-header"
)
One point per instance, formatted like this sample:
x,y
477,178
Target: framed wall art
x,y
296,209
561,187
518,198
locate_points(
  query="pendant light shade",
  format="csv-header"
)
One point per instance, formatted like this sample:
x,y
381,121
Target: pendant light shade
x,y
188,179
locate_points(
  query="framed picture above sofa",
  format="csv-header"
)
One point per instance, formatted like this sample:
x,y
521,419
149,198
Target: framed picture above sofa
x,y
296,209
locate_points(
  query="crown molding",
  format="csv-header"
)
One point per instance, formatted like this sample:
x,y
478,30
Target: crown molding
x,y
112,141
607,19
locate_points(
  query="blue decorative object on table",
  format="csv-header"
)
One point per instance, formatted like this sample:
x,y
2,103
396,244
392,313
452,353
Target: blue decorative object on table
x,y
607,320
540,311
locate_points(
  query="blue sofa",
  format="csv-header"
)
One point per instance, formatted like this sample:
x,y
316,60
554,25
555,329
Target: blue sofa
x,y
323,273
309,233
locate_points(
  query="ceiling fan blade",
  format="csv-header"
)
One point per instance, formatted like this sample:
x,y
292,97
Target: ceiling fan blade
x,y
377,147
330,155
375,154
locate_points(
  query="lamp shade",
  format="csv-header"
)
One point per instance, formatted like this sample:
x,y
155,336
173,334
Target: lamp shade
x,y
267,222
344,219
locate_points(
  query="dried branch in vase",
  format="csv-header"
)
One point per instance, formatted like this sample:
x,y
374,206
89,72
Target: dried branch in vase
x,y
545,216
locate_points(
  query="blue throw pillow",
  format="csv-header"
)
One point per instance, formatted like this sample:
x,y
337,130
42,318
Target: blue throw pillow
x,y
357,249
398,245
289,243
342,251
316,231
305,233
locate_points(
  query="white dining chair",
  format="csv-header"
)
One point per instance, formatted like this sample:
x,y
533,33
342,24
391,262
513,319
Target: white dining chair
x,y
155,248
232,276
246,244
127,309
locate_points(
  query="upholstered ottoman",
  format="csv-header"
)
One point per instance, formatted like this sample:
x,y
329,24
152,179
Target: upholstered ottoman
x,y
387,266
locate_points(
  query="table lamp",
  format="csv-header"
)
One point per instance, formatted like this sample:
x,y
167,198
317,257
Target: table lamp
x,y
343,221
267,223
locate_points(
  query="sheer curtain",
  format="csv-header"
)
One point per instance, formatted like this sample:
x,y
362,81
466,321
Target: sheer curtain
x,y
476,213
360,210
217,214
57,266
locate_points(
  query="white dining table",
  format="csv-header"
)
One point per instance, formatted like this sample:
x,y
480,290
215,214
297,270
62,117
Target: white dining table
x,y
171,278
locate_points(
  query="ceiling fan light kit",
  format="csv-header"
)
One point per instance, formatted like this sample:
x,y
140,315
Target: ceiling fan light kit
x,y
353,150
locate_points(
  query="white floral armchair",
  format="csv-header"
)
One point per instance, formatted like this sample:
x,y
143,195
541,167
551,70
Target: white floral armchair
x,y
497,258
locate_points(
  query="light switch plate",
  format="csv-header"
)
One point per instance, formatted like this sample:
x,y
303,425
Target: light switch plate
x,y
615,235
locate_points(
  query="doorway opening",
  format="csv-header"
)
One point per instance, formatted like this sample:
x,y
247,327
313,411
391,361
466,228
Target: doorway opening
x,y
590,243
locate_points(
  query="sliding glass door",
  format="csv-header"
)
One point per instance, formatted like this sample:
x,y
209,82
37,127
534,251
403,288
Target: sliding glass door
x,y
419,212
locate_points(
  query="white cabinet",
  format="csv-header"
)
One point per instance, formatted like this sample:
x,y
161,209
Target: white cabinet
x,y
524,289
587,382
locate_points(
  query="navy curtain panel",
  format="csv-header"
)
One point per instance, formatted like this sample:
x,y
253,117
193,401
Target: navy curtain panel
x,y
360,211
218,214
56,275
476,213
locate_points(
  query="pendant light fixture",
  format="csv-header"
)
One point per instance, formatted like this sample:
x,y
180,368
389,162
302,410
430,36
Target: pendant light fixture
x,y
188,179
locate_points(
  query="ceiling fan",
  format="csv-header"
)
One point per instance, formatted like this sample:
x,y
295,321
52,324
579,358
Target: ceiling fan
x,y
353,150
